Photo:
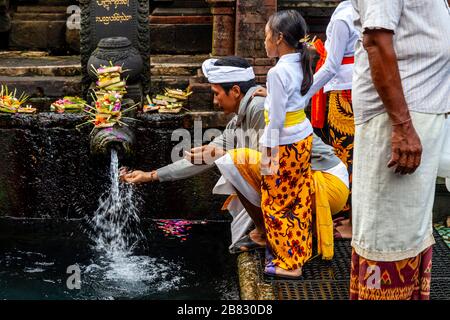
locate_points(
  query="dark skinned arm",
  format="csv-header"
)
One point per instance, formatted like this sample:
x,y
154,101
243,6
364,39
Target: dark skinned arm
x,y
406,147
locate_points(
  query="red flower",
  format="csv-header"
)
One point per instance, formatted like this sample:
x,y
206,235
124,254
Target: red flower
x,y
286,175
293,183
275,224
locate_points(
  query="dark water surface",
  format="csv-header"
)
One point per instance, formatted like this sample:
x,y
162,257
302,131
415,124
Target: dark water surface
x,y
191,263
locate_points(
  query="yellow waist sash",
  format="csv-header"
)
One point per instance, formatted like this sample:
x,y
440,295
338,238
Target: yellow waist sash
x,y
292,118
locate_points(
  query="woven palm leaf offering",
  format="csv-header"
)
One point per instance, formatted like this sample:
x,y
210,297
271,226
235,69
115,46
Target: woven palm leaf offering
x,y
107,111
68,104
108,99
10,103
172,101
150,106
109,79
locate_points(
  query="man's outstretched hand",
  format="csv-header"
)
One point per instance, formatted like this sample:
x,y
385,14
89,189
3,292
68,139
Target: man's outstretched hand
x,y
206,154
137,176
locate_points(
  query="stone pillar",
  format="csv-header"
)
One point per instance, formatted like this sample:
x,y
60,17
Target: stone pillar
x,y
223,12
105,20
251,19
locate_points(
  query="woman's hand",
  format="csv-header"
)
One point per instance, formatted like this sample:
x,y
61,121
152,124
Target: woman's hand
x,y
260,92
137,176
269,161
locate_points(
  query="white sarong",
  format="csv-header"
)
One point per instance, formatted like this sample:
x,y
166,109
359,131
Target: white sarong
x,y
231,179
391,213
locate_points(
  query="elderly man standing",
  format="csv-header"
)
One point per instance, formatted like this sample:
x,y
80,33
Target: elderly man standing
x,y
401,87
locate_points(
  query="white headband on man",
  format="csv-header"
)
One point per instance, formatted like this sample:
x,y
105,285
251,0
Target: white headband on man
x,y
226,74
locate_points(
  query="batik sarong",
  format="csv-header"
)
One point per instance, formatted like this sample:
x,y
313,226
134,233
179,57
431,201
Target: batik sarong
x,y
286,198
407,279
339,131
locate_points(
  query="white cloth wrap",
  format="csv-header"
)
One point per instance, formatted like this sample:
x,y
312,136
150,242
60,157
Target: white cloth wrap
x,y
226,74
230,181
392,213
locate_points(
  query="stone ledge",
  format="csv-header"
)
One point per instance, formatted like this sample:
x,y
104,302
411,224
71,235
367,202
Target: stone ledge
x,y
185,120
252,285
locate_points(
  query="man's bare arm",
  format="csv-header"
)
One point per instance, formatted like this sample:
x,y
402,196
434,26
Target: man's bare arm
x,y
406,146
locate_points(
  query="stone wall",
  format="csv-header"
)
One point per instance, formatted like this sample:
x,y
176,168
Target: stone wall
x,y
251,18
47,170
175,28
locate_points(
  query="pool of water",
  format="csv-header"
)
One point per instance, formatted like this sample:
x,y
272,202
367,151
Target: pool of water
x,y
174,260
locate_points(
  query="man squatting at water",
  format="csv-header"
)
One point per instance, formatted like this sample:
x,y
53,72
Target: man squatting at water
x,y
235,91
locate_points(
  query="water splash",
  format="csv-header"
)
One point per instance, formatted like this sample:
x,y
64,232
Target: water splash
x,y
115,225
116,233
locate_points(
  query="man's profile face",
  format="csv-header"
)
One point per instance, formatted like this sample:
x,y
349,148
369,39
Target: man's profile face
x,y
229,103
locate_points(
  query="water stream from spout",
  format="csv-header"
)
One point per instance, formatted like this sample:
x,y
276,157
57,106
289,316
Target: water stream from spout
x,y
116,222
116,233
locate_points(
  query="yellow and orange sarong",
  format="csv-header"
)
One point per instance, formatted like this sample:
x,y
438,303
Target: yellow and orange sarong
x,y
330,195
286,199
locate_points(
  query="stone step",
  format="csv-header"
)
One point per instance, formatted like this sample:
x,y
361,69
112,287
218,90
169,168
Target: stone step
x,y
181,3
45,86
38,16
174,69
179,59
42,75
49,35
41,9
180,20
185,38
158,83
181,12
18,63
39,63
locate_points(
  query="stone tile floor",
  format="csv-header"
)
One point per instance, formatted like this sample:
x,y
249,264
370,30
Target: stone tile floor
x,y
329,280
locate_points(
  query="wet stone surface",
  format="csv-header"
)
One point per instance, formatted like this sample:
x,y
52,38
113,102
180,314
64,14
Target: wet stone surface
x,y
47,169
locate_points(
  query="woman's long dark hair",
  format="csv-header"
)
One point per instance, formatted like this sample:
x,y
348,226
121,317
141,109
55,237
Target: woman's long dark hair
x,y
293,27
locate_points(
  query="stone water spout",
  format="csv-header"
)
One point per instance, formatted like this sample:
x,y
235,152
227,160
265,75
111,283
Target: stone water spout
x,y
120,138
